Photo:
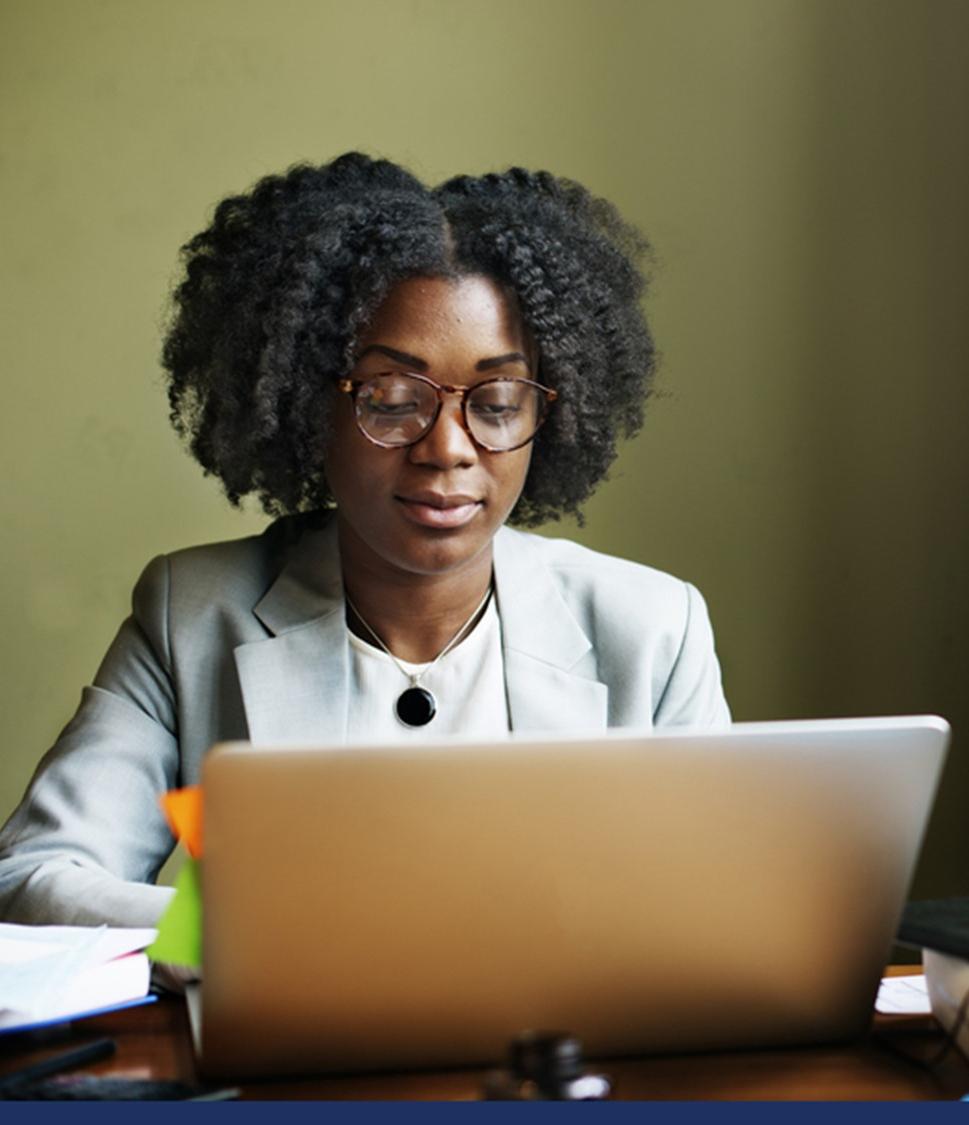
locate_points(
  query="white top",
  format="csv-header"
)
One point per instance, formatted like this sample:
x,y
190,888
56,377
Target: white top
x,y
468,684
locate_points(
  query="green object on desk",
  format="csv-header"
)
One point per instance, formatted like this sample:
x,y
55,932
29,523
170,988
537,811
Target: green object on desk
x,y
179,940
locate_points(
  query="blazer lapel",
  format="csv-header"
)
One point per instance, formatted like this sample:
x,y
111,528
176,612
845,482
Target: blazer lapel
x,y
295,684
549,666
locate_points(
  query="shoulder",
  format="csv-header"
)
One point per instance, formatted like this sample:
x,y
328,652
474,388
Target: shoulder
x,y
649,633
273,544
606,587
233,571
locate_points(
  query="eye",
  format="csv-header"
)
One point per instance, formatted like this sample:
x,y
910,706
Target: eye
x,y
495,409
391,397
498,404
386,408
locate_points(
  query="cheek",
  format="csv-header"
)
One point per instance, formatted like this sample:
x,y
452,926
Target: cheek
x,y
354,467
513,474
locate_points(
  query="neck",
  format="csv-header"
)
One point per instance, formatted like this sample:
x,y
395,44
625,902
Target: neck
x,y
415,615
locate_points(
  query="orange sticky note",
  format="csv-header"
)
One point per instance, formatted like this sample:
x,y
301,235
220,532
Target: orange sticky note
x,y
183,811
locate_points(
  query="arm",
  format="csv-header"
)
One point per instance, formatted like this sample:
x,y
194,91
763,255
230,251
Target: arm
x,y
694,694
89,837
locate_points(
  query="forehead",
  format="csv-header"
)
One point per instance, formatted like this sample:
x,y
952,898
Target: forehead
x,y
436,314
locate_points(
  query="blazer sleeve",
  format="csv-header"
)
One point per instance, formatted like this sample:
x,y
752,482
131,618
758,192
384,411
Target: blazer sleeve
x,y
693,695
88,839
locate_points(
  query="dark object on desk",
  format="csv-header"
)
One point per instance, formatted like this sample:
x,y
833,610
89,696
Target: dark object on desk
x,y
941,924
941,928
545,1066
10,1084
105,1088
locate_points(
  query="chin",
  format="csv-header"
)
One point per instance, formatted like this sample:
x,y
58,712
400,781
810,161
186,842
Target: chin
x,y
441,552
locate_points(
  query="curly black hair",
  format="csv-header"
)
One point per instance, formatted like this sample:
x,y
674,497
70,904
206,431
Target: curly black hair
x,y
279,287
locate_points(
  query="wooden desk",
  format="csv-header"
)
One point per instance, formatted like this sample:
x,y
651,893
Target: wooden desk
x,y
153,1042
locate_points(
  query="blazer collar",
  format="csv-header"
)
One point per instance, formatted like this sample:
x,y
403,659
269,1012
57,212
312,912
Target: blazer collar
x,y
295,684
309,586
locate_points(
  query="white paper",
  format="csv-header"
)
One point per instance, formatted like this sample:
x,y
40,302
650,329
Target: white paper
x,y
906,995
41,965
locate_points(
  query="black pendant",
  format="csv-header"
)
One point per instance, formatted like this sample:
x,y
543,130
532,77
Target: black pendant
x,y
416,707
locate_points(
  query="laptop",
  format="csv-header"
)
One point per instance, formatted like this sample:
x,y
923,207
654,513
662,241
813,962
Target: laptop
x,y
377,907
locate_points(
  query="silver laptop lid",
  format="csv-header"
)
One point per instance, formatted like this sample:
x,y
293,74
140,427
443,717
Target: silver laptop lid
x,y
374,907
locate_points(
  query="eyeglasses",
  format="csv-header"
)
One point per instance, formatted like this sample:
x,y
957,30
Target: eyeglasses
x,y
397,409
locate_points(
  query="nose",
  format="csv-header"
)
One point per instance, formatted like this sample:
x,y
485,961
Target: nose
x,y
447,444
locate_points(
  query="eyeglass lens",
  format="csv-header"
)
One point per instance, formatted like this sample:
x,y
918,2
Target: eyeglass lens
x,y
399,410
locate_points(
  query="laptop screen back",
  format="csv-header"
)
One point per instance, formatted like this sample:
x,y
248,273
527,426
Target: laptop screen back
x,y
386,907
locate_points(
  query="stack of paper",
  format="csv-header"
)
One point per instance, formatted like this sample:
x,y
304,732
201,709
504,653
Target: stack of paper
x,y
51,973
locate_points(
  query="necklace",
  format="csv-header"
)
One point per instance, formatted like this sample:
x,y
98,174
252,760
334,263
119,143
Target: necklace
x,y
416,706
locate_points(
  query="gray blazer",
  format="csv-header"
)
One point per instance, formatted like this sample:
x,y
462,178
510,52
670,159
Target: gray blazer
x,y
247,640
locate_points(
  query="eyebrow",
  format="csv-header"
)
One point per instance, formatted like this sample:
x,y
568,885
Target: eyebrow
x,y
393,353
422,365
500,361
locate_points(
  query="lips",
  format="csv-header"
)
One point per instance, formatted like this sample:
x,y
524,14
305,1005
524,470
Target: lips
x,y
432,509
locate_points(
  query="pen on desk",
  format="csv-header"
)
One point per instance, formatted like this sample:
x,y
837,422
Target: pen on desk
x,y
67,1060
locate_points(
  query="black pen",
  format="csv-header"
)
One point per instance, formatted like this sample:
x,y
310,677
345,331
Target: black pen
x,y
68,1060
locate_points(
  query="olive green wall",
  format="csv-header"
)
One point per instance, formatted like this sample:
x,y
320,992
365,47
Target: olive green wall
x,y
802,168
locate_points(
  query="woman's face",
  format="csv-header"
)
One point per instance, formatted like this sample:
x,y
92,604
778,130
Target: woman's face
x,y
433,507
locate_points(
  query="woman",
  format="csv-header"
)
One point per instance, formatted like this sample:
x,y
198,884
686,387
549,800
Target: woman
x,y
395,372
